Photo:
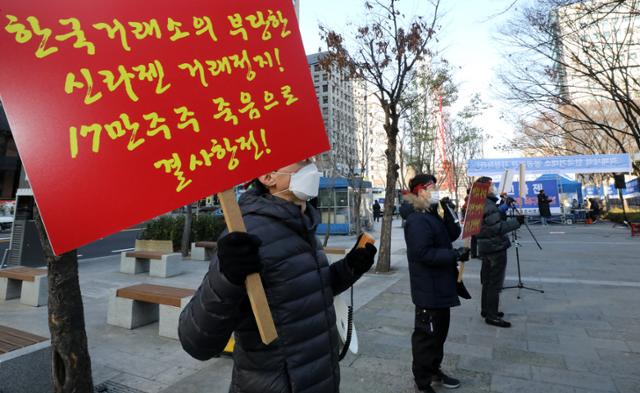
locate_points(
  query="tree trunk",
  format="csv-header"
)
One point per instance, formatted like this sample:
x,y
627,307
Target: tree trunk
x,y
356,207
384,255
186,232
71,364
357,202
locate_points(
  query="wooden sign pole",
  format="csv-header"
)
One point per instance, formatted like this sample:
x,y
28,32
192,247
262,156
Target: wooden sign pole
x,y
257,297
523,185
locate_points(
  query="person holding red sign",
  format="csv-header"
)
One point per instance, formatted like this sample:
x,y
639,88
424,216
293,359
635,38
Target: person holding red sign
x,y
433,273
492,248
281,245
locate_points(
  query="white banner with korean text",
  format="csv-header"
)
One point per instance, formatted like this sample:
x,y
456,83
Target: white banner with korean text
x,y
599,163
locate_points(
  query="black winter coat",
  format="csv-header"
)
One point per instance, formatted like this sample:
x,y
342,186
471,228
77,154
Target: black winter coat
x,y
493,234
543,205
432,261
300,286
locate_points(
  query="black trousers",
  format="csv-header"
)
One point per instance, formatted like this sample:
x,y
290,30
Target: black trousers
x,y
474,247
492,278
427,343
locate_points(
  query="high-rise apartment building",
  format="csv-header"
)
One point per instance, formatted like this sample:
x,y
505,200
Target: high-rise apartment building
x,y
371,137
335,96
597,45
598,73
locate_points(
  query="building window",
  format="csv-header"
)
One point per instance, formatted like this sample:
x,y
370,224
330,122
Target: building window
x,y
325,88
325,100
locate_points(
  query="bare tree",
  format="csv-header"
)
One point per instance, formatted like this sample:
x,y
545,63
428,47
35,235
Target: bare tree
x,y
384,53
574,70
464,142
421,112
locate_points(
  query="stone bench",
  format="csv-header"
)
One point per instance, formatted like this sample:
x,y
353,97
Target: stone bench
x,y
25,362
157,263
28,283
203,251
142,304
153,256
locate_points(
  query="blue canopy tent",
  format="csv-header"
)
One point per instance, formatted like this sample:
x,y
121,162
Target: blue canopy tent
x,y
565,185
567,190
336,203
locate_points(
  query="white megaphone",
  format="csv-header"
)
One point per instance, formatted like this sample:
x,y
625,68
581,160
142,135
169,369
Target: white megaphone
x,y
344,318
342,323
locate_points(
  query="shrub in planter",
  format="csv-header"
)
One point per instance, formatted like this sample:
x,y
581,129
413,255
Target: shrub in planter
x,y
205,227
164,228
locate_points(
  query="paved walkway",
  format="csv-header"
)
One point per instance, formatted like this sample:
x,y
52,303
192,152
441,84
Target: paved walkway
x,y
581,335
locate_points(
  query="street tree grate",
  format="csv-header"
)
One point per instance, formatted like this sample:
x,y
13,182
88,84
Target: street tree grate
x,y
114,387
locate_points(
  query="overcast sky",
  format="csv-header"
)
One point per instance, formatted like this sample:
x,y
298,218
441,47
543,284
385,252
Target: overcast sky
x,y
467,41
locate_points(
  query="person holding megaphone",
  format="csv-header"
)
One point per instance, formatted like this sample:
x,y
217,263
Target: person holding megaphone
x,y
300,285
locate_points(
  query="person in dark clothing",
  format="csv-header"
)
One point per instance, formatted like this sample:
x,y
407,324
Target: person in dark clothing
x,y
300,285
503,199
543,207
376,211
433,273
492,247
503,205
574,205
594,212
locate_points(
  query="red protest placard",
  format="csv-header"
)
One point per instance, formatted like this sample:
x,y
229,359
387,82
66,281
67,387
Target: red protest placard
x,y
125,109
475,209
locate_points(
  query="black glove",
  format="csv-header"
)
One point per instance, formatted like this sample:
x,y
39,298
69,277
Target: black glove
x,y
360,260
461,254
238,255
520,219
444,202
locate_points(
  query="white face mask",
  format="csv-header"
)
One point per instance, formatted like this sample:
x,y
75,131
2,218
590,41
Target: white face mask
x,y
305,183
435,197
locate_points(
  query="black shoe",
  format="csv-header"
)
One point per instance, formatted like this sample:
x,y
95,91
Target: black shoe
x,y
445,380
499,322
426,389
484,314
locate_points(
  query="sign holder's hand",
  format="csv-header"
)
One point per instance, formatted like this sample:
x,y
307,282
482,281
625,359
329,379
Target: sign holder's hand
x,y
255,290
460,288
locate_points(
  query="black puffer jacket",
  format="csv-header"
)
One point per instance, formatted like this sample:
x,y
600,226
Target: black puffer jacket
x,y
493,234
432,261
300,286
543,205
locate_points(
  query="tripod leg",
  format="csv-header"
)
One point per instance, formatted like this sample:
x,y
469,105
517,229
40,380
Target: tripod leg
x,y
520,284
